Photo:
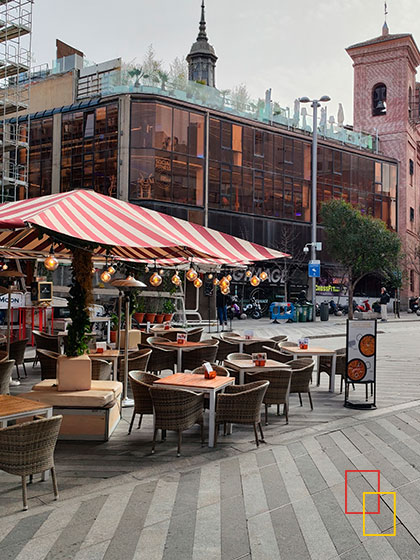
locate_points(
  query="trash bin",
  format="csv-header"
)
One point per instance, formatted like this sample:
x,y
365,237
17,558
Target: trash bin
x,y
298,308
303,314
325,311
310,312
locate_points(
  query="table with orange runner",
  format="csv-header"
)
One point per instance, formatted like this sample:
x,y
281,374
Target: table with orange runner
x,y
198,383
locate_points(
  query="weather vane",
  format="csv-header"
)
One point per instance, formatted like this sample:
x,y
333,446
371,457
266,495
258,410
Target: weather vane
x,y
385,9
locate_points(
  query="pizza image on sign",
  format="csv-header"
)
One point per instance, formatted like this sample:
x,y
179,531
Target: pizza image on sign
x,y
356,370
367,345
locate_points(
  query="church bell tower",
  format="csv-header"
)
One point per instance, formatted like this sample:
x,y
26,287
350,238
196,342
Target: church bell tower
x,y
202,57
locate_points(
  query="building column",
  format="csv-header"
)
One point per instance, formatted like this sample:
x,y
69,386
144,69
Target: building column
x,y
124,147
56,155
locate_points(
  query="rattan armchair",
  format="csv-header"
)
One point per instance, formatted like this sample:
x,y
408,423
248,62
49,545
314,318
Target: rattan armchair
x,y
278,355
238,356
241,404
45,341
177,410
101,369
194,335
325,365
225,348
278,390
301,377
6,367
172,335
192,359
257,347
220,370
17,353
160,359
279,338
137,361
287,344
152,340
28,449
141,382
48,361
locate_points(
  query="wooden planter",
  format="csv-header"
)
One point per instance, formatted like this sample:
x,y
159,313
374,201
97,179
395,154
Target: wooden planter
x,y
150,317
160,317
74,374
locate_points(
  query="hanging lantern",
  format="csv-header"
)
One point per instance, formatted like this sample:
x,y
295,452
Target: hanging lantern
x,y
51,263
176,280
111,270
105,277
229,277
161,272
225,290
224,282
5,266
155,280
210,276
263,275
248,274
146,269
216,282
198,282
93,270
255,281
191,275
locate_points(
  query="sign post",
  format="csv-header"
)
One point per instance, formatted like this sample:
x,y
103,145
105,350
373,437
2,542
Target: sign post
x,y
361,360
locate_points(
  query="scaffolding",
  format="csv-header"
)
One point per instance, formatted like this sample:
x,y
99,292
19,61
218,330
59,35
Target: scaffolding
x,y
15,78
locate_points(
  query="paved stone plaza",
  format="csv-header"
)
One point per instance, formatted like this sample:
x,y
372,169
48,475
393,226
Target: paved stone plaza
x,y
284,500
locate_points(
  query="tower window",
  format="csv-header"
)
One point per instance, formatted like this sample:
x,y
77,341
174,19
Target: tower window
x,y
410,102
379,100
411,214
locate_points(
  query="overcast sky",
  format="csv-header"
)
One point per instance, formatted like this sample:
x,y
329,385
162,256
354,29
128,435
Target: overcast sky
x,y
296,47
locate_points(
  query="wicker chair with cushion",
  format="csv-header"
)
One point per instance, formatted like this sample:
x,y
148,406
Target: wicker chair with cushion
x,y
48,361
194,335
192,359
177,410
225,348
6,367
241,404
45,341
278,355
141,382
101,370
301,377
220,370
137,361
278,390
28,449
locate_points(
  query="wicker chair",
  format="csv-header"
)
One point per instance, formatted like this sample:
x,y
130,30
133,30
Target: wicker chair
x,y
257,347
178,410
172,335
48,361
152,340
241,404
325,365
287,344
278,390
141,382
6,367
195,358
17,353
101,370
227,335
194,335
279,338
3,355
28,449
238,356
45,341
220,370
160,359
137,361
301,377
274,354
224,349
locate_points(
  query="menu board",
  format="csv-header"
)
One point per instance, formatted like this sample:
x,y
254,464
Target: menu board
x,y
361,353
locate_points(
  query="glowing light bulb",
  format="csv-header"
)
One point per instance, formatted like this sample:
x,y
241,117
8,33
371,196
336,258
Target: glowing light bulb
x,y
198,282
191,275
225,290
216,282
210,276
155,279
93,270
229,277
111,270
161,271
50,263
255,281
105,276
224,282
176,279
263,275
248,274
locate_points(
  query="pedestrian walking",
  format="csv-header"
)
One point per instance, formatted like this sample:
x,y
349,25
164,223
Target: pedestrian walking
x,y
384,300
221,304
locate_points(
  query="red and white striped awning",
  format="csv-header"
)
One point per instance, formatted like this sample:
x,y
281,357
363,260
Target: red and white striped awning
x,y
128,230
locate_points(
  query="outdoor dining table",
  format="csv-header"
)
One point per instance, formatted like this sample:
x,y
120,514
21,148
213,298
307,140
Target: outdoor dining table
x,y
199,384
173,344
109,356
311,351
243,341
248,366
15,408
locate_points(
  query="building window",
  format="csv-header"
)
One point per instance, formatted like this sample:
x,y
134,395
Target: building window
x,y
411,214
379,100
40,157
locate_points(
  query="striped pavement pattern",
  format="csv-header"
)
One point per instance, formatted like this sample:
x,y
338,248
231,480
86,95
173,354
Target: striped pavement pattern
x,y
279,502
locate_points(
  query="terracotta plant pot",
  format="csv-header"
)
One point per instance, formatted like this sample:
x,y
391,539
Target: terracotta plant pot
x,y
168,317
113,336
160,317
150,317
139,317
74,374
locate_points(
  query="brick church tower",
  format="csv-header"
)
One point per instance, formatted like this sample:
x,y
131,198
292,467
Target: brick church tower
x,y
386,104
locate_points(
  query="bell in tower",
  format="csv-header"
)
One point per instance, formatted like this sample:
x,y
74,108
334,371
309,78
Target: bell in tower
x,y
379,100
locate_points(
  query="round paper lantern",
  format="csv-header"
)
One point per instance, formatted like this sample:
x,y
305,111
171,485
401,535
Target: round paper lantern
x,y
248,274
191,275
198,282
161,271
111,270
255,281
229,277
263,275
93,270
216,282
210,276
5,266
155,280
225,290
50,263
105,276
176,280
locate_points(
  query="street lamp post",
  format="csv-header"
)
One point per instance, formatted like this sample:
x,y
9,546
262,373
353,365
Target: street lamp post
x,y
315,103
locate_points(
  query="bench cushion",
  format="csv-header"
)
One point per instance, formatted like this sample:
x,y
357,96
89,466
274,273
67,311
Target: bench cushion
x,y
100,395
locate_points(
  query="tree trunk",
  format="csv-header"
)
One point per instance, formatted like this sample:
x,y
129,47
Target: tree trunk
x,y
350,301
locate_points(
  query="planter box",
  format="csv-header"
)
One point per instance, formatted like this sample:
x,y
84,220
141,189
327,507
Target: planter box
x,y
74,374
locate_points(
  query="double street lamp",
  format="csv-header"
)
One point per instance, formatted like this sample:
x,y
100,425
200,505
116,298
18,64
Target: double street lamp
x,y
315,103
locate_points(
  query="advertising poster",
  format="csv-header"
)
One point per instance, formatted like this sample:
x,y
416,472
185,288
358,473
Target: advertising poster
x,y
361,357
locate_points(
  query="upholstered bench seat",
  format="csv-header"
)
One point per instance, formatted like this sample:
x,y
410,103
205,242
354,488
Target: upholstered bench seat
x,y
92,414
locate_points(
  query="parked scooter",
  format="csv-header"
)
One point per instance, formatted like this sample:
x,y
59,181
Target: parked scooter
x,y
364,306
253,309
336,308
414,305
234,309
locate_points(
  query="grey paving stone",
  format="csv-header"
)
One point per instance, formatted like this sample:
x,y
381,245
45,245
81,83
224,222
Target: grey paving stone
x,y
403,449
265,458
358,553
274,487
336,522
391,473
21,534
404,544
235,539
310,474
230,479
357,440
403,426
381,432
361,484
288,534
297,449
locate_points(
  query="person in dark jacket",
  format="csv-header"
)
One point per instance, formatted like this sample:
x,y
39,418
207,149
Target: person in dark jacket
x,y
221,305
384,300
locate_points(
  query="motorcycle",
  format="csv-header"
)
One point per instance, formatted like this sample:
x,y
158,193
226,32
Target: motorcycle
x,y
364,306
413,305
336,308
253,309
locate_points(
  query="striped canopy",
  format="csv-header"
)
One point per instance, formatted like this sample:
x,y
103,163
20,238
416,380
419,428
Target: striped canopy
x,y
127,230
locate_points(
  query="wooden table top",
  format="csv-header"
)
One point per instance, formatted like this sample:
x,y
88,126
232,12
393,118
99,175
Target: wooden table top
x,y
15,405
195,380
187,344
249,364
105,354
311,351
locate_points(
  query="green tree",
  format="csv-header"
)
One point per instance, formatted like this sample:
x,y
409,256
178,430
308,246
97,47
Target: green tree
x,y
361,244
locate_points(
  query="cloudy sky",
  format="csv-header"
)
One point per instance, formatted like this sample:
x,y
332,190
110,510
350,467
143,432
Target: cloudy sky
x,y
296,47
